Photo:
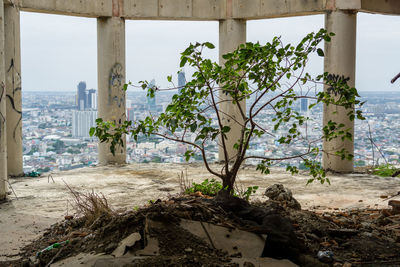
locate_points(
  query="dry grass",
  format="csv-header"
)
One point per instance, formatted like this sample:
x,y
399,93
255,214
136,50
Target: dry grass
x,y
90,205
184,181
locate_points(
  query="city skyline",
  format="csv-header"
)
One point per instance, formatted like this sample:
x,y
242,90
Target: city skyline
x,y
55,134
53,51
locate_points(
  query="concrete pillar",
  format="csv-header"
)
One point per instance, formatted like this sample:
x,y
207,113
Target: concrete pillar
x,y
13,89
3,135
111,80
340,59
232,33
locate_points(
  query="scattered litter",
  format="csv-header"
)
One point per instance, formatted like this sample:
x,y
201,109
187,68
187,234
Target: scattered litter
x,y
55,245
325,256
33,174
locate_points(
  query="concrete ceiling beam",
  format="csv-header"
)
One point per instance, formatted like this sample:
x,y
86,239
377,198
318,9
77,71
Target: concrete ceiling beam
x,y
174,9
262,9
203,9
387,7
86,8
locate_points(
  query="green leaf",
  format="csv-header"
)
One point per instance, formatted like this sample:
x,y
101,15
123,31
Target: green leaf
x,y
209,45
226,129
91,131
183,61
320,52
193,127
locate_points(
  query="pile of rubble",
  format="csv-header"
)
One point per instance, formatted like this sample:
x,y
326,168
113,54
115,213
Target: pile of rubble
x,y
202,231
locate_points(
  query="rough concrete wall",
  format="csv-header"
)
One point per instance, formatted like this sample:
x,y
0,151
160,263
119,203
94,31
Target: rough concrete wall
x,y
3,137
13,86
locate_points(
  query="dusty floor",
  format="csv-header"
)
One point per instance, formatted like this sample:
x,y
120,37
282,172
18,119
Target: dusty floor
x,y
41,202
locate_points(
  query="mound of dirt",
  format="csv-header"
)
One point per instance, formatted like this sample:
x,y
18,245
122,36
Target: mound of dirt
x,y
199,231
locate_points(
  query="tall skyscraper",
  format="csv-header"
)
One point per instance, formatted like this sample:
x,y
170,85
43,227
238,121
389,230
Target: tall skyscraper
x,y
151,101
85,99
92,99
181,80
304,104
82,121
81,97
130,114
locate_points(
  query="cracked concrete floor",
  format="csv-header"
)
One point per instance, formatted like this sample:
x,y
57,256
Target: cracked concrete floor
x,y
41,202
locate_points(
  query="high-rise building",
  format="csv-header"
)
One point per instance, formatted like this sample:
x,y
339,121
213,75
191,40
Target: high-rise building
x,y
81,97
181,80
128,103
92,99
304,104
151,101
82,121
130,114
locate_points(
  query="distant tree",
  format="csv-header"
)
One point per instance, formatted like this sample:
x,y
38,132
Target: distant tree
x,y
266,73
45,169
73,151
156,159
59,146
42,126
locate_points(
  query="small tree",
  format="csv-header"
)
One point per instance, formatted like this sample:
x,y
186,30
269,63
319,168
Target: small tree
x,y
268,75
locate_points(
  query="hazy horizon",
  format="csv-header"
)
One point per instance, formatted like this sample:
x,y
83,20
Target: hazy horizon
x,y
59,51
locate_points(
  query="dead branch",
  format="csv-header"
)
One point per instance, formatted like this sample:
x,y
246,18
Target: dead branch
x,y
12,189
395,78
50,177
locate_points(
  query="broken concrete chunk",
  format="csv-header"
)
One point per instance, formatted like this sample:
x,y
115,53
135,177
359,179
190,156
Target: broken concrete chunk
x,y
123,261
263,262
395,204
152,248
82,259
126,243
278,192
233,241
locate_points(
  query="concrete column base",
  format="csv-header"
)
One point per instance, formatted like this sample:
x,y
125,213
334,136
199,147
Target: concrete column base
x,y
13,86
232,33
111,80
3,129
340,59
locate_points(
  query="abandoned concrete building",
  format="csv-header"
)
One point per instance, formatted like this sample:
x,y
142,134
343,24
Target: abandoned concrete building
x,y
340,54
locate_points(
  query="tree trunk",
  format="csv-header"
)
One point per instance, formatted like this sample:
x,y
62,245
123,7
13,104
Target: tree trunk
x,y
227,184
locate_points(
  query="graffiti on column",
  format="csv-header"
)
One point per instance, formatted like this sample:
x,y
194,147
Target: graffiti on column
x,y
15,78
116,94
2,117
115,90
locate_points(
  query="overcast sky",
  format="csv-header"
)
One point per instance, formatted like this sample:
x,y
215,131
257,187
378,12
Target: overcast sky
x,y
60,51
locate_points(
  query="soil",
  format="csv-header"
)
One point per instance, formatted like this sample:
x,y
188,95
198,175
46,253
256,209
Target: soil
x,y
358,237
